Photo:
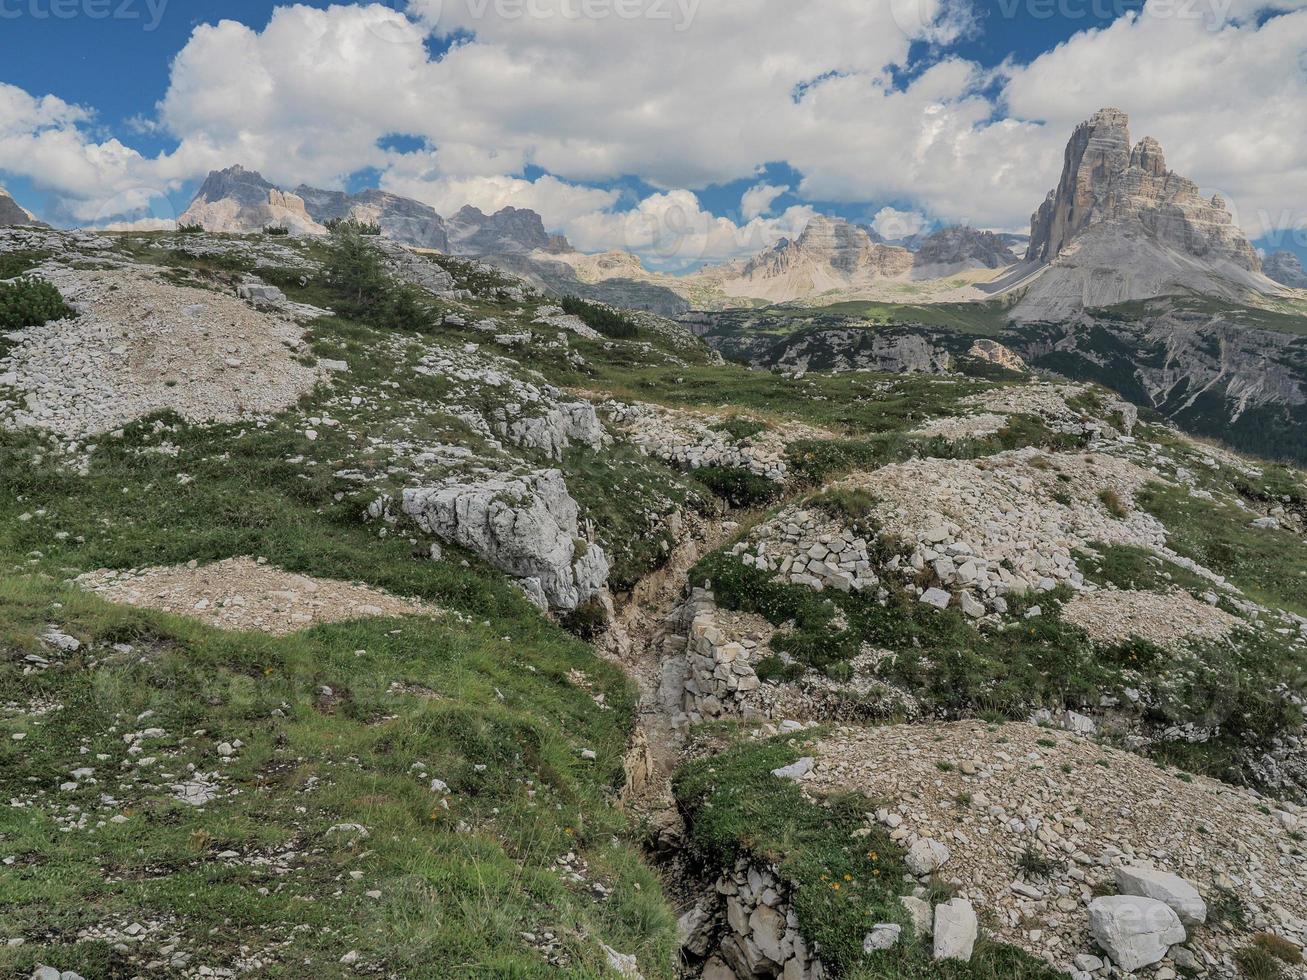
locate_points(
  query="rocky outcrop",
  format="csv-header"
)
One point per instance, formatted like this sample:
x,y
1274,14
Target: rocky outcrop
x,y
719,671
693,443
1286,269
746,927
892,350
560,426
240,201
992,352
963,247
508,230
13,213
401,219
1120,226
523,525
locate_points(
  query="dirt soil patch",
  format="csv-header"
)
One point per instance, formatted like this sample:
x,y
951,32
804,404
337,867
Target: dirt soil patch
x,y
1168,619
241,594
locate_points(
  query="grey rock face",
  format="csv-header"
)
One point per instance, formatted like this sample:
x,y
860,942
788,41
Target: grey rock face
x,y
471,232
955,930
239,201
401,219
525,526
1284,267
1134,931
839,247
12,213
1104,180
964,246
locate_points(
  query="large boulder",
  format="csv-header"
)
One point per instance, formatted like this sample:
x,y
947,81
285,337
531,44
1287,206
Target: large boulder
x,y
523,525
926,855
1179,895
955,930
1133,930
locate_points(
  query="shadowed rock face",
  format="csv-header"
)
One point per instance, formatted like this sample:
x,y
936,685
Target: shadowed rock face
x,y
961,245
1104,181
1286,269
12,213
472,232
401,219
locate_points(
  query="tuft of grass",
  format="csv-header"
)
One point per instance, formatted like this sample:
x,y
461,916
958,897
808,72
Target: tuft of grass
x,y
1279,947
1112,502
1258,963
1033,864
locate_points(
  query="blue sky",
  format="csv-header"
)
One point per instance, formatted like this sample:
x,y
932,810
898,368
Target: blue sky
x,y
120,68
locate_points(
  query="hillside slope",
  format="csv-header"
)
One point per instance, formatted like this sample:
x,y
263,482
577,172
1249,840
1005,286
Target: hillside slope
x,y
365,613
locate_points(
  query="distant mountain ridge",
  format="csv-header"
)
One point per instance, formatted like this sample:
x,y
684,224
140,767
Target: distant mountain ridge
x,y
241,201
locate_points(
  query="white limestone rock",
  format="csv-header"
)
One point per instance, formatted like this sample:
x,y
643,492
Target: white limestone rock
x,y
1181,896
955,930
1134,931
524,525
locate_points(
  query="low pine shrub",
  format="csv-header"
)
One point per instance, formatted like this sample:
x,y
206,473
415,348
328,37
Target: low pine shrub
x,y
29,302
605,319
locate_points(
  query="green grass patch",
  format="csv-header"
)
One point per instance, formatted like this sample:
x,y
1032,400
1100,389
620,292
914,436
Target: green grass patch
x,y
1269,565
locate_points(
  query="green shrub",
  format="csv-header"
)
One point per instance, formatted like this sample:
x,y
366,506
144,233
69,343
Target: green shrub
x,y
361,289
739,487
738,428
190,229
29,302
605,319
276,231
14,264
851,505
350,225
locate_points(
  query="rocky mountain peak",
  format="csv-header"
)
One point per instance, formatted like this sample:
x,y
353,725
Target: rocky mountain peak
x,y
1130,190
13,213
240,201
1148,157
508,230
833,245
